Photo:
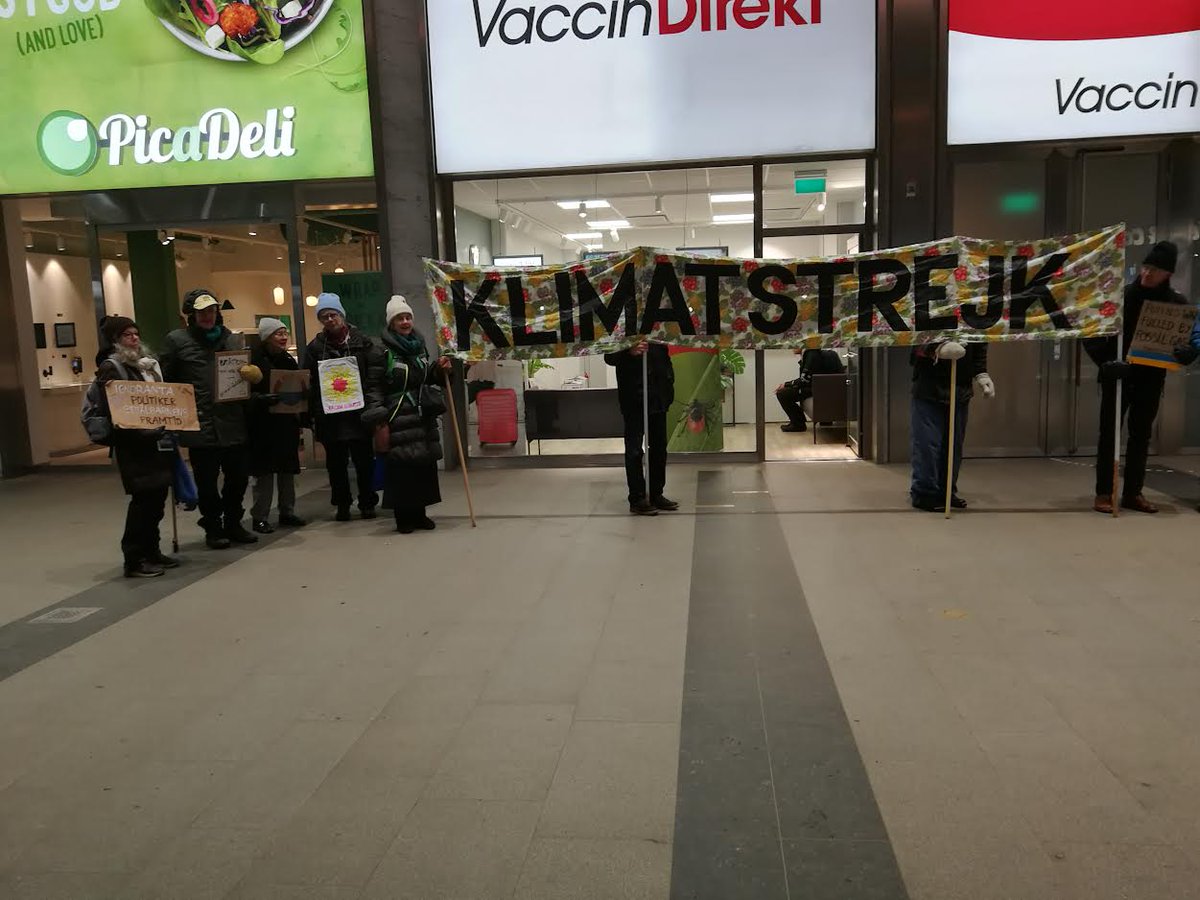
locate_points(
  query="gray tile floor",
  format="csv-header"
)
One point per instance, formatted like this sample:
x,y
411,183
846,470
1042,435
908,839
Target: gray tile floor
x,y
509,711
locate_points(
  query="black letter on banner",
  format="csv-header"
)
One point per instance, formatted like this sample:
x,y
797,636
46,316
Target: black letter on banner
x,y
566,307
666,282
624,299
712,273
925,294
464,312
826,272
971,316
870,300
758,288
522,336
1025,294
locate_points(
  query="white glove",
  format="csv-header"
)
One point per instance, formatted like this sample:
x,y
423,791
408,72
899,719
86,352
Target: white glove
x,y
951,350
984,382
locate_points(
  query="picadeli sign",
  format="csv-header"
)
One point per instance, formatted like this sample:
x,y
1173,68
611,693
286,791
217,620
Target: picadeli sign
x,y
1027,70
628,81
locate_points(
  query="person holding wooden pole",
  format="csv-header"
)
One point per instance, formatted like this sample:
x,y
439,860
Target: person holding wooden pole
x,y
645,391
941,373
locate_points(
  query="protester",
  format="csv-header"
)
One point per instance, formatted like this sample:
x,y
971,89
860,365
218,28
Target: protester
x,y
219,447
931,417
792,394
661,395
145,457
405,408
274,437
1143,386
343,435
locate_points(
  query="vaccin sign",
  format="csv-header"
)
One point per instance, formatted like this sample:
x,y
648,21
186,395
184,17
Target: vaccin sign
x,y
104,94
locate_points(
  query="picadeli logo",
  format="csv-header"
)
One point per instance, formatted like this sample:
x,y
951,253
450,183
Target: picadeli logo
x,y
1072,69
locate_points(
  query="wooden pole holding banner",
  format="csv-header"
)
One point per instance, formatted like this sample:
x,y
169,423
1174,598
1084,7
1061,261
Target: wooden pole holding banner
x,y
1116,472
646,419
462,459
950,435
174,523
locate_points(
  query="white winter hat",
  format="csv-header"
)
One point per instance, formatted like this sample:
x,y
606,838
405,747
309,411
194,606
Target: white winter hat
x,y
268,326
396,306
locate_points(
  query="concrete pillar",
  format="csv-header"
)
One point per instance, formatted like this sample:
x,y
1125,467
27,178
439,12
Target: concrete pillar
x,y
155,288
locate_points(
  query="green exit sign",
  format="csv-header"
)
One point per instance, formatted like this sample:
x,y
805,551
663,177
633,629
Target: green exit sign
x,y
1020,202
813,184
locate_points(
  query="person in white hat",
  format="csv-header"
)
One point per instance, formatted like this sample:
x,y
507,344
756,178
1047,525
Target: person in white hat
x,y
274,437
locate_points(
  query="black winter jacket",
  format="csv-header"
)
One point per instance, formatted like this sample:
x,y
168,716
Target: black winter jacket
x,y
1102,350
817,362
143,466
931,376
345,426
189,358
629,379
274,438
393,390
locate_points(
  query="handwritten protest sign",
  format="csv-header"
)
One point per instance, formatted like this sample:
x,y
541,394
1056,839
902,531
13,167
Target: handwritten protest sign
x,y
230,384
341,385
1160,329
292,389
152,404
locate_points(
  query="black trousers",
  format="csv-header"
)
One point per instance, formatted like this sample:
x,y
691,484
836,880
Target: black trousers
x,y
633,453
220,505
792,400
338,455
1140,398
139,543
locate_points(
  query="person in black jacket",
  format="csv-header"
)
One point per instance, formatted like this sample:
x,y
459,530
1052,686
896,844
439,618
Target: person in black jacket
x,y
931,417
274,437
1143,386
145,458
792,394
219,447
661,395
343,435
399,371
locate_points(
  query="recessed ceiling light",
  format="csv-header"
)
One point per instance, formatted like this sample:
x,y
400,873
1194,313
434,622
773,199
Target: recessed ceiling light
x,y
733,219
583,236
730,198
62,244
608,225
586,204
28,240
253,233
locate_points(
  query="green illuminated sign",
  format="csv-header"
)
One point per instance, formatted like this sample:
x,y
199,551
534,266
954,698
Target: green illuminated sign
x,y
1020,202
810,185
102,94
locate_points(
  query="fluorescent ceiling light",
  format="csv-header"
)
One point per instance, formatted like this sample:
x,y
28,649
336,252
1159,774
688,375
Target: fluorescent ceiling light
x,y
587,204
593,246
584,236
608,225
733,219
730,198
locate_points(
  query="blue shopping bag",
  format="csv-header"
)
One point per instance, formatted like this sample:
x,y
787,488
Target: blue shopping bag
x,y
185,485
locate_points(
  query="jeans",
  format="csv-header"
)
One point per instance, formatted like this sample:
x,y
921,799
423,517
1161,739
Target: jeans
x,y
220,506
930,425
633,454
264,494
1140,398
792,400
338,455
139,543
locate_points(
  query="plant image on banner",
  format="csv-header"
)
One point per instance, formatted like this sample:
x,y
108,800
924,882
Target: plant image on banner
x,y
102,94
957,288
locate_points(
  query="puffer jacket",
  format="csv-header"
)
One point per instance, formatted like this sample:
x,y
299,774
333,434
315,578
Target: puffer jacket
x,y
188,357
344,426
393,389
143,466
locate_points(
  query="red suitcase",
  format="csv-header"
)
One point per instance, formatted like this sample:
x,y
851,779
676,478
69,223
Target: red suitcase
x,y
497,416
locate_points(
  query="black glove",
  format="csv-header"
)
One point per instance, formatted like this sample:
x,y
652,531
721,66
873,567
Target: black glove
x,y
1113,371
1186,355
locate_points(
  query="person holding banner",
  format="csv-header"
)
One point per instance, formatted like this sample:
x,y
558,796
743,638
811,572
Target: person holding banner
x,y
404,403
274,437
931,391
218,449
145,458
343,434
1142,386
645,402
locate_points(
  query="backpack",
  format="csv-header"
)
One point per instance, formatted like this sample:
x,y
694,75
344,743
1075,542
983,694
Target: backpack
x,y
94,414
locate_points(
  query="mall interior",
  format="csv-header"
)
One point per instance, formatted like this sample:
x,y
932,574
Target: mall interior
x,y
795,685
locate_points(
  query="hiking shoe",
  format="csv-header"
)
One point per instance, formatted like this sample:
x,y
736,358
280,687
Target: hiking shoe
x,y
240,535
642,508
262,526
664,504
143,570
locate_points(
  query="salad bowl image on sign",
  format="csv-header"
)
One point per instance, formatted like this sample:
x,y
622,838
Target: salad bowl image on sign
x,y
1028,70
109,94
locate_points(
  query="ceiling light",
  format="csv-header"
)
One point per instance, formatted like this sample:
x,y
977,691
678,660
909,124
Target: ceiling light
x,y
733,219
252,233
277,294
516,222
582,211
28,240
586,204
170,235
310,300
503,215
583,236
614,235
821,203
321,262
730,198
62,244
303,261
593,247
338,270
658,210
608,225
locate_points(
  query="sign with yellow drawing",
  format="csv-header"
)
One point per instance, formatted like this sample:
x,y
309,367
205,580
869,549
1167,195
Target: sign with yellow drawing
x,y
341,385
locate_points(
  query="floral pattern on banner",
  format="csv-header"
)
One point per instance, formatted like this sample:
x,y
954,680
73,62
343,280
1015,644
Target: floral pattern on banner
x,y
1067,287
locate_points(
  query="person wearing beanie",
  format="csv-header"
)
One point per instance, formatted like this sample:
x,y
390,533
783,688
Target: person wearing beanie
x,y
407,417
274,437
343,435
219,448
1142,385
145,460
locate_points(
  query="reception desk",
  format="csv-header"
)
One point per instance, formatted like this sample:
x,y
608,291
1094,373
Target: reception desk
x,y
558,415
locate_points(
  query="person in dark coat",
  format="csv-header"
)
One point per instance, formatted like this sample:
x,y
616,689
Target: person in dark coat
x,y
931,417
792,394
145,458
1143,385
661,375
343,434
414,444
219,447
274,437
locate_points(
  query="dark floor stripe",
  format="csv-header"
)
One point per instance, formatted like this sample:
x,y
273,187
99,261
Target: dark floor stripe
x,y
773,799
